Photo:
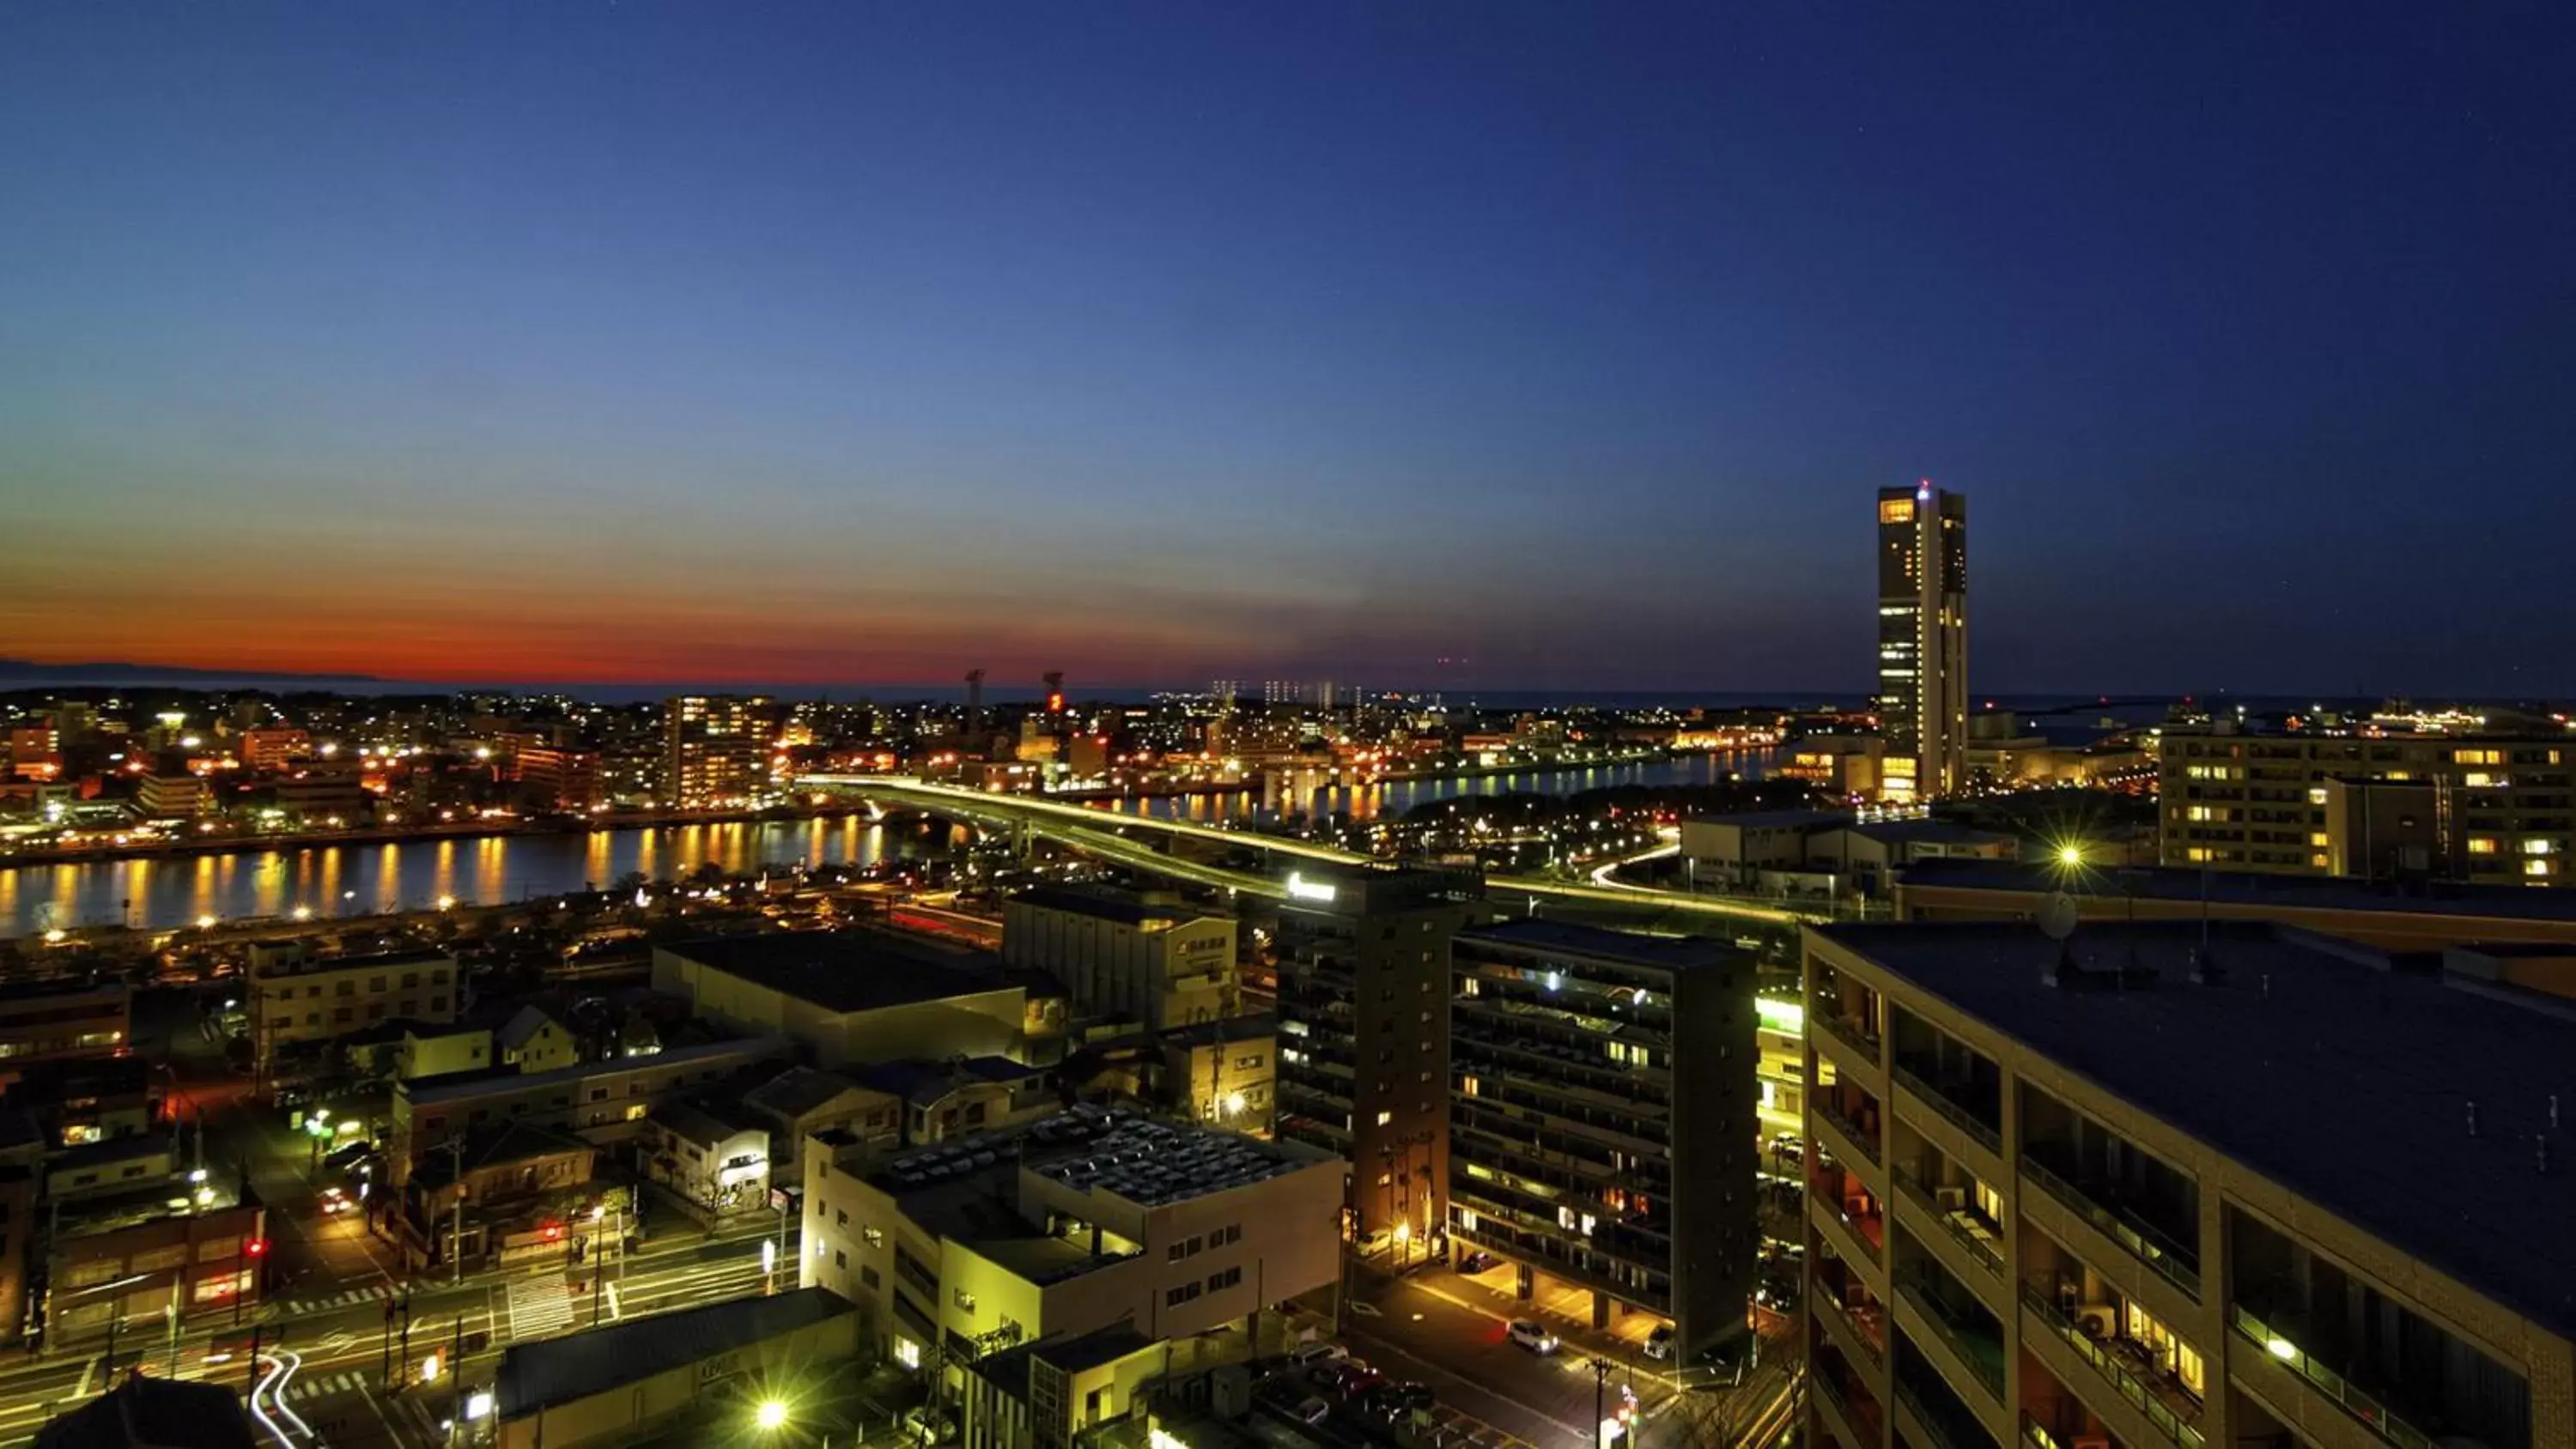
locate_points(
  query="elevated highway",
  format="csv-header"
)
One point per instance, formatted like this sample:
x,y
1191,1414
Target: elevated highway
x,y
1115,838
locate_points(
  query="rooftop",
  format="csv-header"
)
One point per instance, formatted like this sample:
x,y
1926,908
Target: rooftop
x,y
314,965
1916,832
1107,904
465,1086
921,1083
2246,888
561,1370
494,1146
155,1412
797,1091
842,971
1668,953
14,992
1067,1353
2314,1062
1778,819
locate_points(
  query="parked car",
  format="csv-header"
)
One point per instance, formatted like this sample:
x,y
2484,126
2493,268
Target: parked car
x,y
1659,1344
1531,1334
1347,1377
1419,1396
1307,1355
1312,1410
1475,1262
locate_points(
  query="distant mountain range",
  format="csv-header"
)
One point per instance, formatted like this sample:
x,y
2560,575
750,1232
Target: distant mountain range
x,y
120,672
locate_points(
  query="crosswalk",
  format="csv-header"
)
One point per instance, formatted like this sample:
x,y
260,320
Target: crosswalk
x,y
539,1306
297,1307
346,1381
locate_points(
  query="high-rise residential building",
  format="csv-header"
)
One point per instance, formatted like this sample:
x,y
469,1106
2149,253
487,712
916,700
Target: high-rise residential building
x,y
1922,640
2172,1185
714,746
561,777
1602,1130
2487,809
1364,982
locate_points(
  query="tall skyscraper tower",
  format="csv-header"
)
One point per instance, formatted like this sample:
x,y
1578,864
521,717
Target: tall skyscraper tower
x,y
1922,640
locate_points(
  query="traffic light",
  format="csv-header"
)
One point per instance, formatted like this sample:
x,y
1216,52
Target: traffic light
x,y
256,1248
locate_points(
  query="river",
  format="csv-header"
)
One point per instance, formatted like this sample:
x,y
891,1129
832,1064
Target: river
x,y
156,894
361,879
1394,797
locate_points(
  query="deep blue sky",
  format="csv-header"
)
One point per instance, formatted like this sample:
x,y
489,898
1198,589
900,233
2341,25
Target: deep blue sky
x,y
860,343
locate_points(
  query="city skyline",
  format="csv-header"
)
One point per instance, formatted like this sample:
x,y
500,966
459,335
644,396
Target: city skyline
x,y
624,344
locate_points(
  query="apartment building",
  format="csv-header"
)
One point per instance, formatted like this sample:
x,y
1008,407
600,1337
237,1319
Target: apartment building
x,y
1080,1221
1153,961
1364,982
2162,1188
297,1000
715,749
62,1020
1588,1145
2394,916
603,1102
867,996
2491,810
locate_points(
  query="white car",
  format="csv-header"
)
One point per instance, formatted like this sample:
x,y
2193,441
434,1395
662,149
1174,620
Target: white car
x,y
1531,1334
1307,1355
1312,1411
1659,1344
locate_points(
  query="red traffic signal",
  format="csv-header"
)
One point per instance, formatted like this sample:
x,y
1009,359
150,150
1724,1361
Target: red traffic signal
x,y
256,1247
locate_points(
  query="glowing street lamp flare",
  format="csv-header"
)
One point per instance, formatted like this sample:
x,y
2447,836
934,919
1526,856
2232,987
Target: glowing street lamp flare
x,y
772,1414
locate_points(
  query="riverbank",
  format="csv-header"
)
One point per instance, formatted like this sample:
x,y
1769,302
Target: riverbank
x,y
479,829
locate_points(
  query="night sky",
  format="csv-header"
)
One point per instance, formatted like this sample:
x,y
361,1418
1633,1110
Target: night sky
x,y
1568,343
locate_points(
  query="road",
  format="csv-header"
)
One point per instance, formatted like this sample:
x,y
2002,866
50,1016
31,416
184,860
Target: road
x,y
343,1335
1083,828
1408,1328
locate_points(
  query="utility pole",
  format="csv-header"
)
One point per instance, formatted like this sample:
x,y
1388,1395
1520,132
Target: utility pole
x,y
456,1242
1600,1388
250,1381
456,1378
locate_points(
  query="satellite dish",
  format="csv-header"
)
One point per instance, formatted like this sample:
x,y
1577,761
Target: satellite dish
x,y
2057,916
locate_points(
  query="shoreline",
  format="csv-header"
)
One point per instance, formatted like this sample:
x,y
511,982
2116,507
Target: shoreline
x,y
477,830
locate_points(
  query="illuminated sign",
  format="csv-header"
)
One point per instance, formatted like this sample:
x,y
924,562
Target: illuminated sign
x,y
1302,889
1786,1017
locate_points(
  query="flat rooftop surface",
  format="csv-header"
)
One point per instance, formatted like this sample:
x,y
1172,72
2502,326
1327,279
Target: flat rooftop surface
x,y
1670,953
559,1370
2244,888
855,970
1108,905
2344,1081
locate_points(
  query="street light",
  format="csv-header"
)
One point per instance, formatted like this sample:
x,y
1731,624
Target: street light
x,y
772,1414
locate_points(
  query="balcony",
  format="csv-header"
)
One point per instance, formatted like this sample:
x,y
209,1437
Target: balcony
x,y
1990,1138
1855,1426
2337,1390
1856,1240
1847,1139
1961,1228
2173,1262
1862,1044
1978,1347
2127,1383
1861,1333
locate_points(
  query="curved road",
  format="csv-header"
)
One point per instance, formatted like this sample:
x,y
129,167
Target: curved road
x,y
1081,827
